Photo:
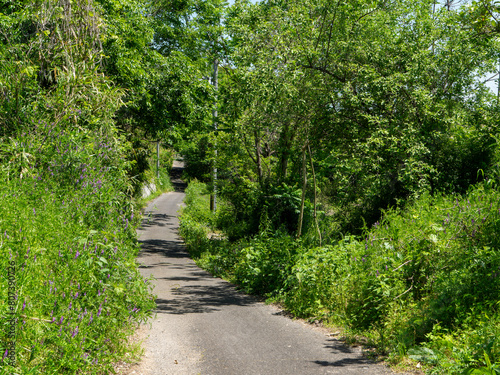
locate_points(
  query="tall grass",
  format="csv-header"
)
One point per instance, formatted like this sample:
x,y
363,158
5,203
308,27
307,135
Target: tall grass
x,y
68,228
70,291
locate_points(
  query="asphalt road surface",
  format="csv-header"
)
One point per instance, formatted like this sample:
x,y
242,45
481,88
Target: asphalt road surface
x,y
205,326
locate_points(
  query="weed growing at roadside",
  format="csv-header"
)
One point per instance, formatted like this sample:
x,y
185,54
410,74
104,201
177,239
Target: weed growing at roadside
x,y
69,228
423,283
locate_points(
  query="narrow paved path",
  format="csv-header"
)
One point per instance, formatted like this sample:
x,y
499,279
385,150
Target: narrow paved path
x,y
205,326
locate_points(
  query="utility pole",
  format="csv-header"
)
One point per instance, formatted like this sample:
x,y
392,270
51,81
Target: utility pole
x,y
213,197
158,160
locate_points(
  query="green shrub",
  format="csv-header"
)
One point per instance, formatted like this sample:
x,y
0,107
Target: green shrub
x,y
315,279
247,207
67,223
420,282
68,228
195,155
264,263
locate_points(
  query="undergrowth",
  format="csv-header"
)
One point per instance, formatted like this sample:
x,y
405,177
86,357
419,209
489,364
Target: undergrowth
x,y
423,283
73,293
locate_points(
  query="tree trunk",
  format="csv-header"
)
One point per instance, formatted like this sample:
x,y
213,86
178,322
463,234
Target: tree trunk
x,y
213,196
284,152
304,185
258,156
314,187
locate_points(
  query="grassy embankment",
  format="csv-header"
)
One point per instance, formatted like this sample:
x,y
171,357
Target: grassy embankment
x,y
71,293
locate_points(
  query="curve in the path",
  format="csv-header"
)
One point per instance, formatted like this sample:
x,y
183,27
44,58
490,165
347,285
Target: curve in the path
x,y
203,325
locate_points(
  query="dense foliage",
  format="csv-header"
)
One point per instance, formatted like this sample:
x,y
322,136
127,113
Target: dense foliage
x,y
385,98
70,289
356,150
359,171
427,275
68,230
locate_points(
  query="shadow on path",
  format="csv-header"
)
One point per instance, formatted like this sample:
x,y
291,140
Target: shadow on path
x,y
152,219
358,362
337,346
189,299
169,249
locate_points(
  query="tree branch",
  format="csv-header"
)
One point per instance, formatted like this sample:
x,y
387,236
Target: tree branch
x,y
324,70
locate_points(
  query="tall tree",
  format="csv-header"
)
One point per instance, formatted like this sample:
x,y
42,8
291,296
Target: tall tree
x,y
380,88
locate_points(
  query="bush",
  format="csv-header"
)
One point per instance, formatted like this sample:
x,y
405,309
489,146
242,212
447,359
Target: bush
x,y
264,264
246,208
68,229
195,155
67,223
425,277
